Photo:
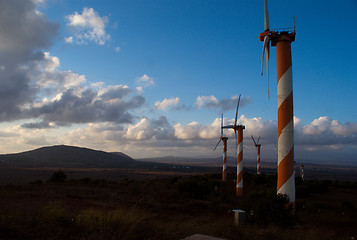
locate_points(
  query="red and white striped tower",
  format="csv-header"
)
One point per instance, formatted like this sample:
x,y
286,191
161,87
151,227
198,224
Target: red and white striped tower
x,y
302,174
282,40
224,172
238,131
239,182
224,141
286,180
257,145
258,158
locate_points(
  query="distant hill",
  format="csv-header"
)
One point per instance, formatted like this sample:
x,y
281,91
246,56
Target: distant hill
x,y
68,156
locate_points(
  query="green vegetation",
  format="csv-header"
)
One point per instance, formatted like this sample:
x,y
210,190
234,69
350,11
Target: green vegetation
x,y
174,208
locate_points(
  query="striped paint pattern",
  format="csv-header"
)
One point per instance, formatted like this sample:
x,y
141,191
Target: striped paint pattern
x,y
224,173
286,180
239,182
258,158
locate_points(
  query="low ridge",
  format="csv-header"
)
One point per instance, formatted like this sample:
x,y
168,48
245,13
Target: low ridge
x,y
68,156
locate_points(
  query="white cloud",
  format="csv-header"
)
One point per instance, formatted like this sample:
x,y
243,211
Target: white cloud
x,y
39,1
166,103
211,102
88,26
25,137
154,129
145,81
297,122
343,130
324,131
117,49
139,90
47,76
51,62
68,39
139,131
189,131
317,126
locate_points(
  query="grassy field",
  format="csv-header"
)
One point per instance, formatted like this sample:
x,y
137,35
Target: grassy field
x,y
174,208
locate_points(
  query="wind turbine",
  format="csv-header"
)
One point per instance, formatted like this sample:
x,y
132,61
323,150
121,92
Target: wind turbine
x,y
238,132
302,172
257,145
282,40
224,141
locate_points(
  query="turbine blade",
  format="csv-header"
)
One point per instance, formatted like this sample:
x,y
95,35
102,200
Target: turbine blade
x,y
222,125
267,63
266,16
228,126
217,145
258,140
235,120
253,140
235,134
261,72
266,51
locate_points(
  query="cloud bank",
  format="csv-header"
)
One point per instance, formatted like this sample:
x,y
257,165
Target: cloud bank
x,y
31,84
158,136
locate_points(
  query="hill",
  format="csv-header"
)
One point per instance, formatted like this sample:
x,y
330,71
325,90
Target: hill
x,y
68,156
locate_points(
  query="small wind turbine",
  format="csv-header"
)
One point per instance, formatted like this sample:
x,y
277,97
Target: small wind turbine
x,y
302,172
224,141
257,145
282,40
239,144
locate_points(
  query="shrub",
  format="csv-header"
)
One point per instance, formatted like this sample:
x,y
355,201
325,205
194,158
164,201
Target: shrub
x,y
196,187
268,207
58,176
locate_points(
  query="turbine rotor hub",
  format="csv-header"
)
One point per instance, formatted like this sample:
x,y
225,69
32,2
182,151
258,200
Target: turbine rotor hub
x,y
263,35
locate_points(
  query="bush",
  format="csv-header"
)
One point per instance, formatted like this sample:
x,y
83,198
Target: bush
x,y
58,176
198,187
268,207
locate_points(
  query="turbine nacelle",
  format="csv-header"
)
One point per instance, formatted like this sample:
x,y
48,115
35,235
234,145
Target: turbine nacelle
x,y
263,35
256,143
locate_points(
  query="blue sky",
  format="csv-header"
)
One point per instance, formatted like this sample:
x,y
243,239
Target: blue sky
x,y
151,78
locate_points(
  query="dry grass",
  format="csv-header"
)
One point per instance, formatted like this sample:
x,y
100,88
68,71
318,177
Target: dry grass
x,y
168,208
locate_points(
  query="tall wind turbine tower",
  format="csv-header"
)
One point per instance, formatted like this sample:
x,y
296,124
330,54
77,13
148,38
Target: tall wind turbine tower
x,y
257,145
282,41
238,132
224,141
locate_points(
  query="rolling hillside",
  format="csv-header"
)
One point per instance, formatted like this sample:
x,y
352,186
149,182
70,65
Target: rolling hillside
x,y
68,156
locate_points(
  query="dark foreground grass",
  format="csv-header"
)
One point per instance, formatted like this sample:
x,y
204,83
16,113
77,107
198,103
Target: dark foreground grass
x,y
174,208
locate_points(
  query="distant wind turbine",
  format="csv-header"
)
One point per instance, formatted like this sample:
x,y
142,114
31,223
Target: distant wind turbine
x,y
238,132
302,172
224,141
257,145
